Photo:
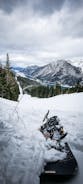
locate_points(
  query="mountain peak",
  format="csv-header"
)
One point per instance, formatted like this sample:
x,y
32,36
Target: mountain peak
x,y
59,63
60,71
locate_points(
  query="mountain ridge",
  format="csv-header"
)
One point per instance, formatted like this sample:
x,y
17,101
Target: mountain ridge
x,y
61,71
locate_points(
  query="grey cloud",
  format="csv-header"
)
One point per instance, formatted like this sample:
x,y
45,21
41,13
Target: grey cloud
x,y
48,6
73,24
75,3
39,6
59,33
7,5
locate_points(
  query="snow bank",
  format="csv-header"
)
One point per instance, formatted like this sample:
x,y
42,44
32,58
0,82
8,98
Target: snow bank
x,y
23,148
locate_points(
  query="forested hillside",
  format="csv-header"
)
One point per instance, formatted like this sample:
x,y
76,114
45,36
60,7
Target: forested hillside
x,y
35,89
8,85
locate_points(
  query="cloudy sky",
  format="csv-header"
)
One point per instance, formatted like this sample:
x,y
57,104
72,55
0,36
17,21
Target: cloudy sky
x,y
40,31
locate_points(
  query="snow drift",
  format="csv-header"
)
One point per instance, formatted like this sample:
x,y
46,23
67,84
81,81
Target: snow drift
x,y
23,148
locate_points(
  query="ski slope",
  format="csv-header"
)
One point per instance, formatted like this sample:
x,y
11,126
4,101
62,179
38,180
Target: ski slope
x,y
23,149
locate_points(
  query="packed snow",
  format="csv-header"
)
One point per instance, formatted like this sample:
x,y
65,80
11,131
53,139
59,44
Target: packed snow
x,y
23,149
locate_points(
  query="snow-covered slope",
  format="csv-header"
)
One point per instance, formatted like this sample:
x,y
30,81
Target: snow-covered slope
x,y
77,63
23,149
60,71
18,71
55,67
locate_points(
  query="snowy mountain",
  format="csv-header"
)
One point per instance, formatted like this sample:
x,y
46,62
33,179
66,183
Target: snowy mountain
x,y
19,71
26,72
77,63
30,70
60,71
23,148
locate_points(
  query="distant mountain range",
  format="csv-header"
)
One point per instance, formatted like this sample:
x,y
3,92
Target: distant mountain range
x,y
61,72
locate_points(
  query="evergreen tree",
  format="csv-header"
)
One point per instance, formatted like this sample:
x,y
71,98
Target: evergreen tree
x,y
8,86
58,89
0,66
7,62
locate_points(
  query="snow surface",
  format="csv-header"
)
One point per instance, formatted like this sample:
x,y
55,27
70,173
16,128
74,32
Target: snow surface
x,y
77,63
18,73
23,148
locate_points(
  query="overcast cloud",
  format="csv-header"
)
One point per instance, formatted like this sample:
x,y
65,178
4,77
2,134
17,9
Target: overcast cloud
x,y
39,31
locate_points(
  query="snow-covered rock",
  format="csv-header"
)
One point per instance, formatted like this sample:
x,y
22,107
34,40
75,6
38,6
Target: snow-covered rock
x,y
77,63
60,71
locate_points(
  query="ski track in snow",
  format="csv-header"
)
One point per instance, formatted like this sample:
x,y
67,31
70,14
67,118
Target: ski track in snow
x,y
23,149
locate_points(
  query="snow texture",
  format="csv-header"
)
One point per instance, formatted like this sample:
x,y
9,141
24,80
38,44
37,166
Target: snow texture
x,y
61,71
61,68
23,148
